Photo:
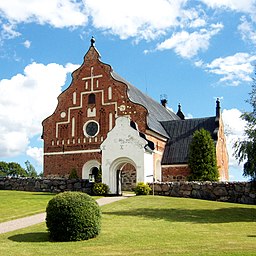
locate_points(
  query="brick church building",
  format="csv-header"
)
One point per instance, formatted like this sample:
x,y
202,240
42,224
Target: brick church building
x,y
102,121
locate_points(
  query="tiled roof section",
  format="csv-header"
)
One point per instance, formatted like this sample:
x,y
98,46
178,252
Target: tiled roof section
x,y
180,135
156,112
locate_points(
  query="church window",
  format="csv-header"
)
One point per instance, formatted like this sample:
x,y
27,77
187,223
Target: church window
x,y
91,99
91,129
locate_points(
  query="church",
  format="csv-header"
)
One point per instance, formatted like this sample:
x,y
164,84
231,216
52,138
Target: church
x,y
102,122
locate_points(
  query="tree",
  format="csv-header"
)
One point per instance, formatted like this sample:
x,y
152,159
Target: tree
x,y
16,170
245,150
4,169
30,169
202,157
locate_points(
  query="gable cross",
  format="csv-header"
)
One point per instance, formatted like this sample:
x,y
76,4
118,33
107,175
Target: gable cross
x,y
91,78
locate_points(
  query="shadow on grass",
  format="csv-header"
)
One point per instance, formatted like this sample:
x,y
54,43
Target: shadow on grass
x,y
44,194
224,215
36,237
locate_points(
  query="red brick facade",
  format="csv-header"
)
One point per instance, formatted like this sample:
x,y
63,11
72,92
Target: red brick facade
x,y
175,173
94,95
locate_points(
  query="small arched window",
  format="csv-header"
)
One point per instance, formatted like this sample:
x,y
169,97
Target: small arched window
x,y
91,99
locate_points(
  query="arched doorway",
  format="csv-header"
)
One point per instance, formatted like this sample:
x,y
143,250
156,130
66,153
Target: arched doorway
x,y
122,175
128,177
90,170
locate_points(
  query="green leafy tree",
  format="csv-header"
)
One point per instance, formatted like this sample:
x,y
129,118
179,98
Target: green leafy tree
x,y
202,157
245,149
30,169
4,168
16,170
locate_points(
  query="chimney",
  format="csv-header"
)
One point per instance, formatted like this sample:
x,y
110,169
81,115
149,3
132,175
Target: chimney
x,y
163,99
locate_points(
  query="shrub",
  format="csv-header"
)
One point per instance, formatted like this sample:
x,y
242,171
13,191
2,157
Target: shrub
x,y
73,216
98,177
73,174
100,189
142,189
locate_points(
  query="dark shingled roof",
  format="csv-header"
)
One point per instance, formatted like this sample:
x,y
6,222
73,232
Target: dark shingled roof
x,y
156,112
180,135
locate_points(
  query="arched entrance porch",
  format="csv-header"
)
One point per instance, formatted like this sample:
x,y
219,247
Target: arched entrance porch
x,y
116,174
124,145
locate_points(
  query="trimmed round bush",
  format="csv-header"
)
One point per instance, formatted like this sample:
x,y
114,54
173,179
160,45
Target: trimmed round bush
x,y
142,189
100,189
73,216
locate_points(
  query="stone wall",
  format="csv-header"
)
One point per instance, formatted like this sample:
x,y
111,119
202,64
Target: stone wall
x,y
45,185
235,192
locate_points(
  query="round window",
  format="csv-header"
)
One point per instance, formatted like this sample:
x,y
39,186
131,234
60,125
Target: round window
x,y
91,129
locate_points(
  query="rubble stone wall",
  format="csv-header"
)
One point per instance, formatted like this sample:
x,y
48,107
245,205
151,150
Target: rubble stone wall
x,y
235,192
46,185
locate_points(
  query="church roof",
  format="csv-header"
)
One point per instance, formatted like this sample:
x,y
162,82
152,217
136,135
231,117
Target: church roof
x,y
156,112
180,135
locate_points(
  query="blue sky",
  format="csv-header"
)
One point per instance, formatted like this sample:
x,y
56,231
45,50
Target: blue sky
x,y
192,51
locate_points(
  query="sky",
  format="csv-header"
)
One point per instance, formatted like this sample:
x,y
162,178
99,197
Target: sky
x,y
191,51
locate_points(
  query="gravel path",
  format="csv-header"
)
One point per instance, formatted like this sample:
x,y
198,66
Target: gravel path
x,y
38,218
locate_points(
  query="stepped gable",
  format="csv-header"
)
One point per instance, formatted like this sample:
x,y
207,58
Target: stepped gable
x,y
156,112
180,135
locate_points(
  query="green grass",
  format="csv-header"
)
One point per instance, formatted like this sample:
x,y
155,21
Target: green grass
x,y
18,204
150,225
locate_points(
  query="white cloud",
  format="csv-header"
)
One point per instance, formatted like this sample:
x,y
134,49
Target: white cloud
x,y
247,6
234,130
25,100
27,43
193,18
58,13
144,19
232,69
36,153
187,45
247,30
135,18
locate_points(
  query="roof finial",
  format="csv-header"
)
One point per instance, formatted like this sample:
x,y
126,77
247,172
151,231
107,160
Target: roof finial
x,y
218,107
180,113
92,41
163,99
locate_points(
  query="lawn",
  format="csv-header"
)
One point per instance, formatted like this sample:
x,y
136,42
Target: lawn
x,y
148,225
17,204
